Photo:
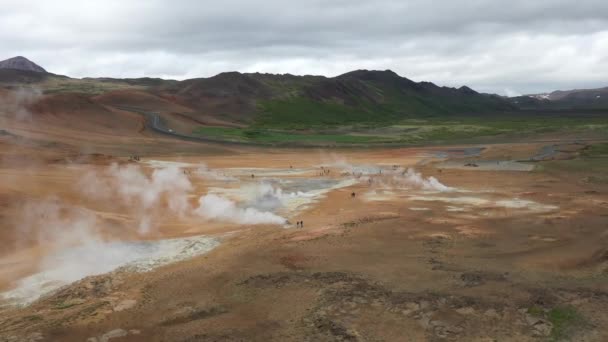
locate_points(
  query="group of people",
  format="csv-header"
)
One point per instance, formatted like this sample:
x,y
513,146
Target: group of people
x,y
300,224
324,171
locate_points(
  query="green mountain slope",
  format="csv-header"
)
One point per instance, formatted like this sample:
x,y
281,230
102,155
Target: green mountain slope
x,y
360,96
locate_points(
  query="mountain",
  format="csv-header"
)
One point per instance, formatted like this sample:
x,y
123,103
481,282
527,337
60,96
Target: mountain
x,y
583,94
564,99
361,96
277,100
21,63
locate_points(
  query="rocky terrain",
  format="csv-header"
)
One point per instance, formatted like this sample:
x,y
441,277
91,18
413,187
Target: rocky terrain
x,y
21,63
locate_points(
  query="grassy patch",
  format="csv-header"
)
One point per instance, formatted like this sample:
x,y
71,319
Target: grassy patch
x,y
304,113
304,121
67,304
563,319
591,165
88,87
34,318
434,129
536,311
597,150
446,133
227,133
266,136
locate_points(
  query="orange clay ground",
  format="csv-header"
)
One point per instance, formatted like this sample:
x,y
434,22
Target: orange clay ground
x,y
494,255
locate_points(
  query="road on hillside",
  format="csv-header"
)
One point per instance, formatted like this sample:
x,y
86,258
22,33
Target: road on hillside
x,y
154,122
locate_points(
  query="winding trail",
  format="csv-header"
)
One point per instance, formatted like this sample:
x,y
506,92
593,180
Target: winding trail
x,y
153,122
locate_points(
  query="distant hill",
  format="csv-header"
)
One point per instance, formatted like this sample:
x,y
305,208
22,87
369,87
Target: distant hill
x,y
142,81
21,77
564,99
357,97
361,96
358,107
21,71
21,63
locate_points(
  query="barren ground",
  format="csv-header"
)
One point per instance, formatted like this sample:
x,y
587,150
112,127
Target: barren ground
x,y
502,255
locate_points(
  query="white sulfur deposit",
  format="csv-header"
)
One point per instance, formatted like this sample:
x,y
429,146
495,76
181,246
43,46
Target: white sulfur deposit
x,y
95,257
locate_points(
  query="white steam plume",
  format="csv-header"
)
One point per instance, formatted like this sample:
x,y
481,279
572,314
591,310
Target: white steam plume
x,y
265,196
52,223
204,172
394,177
14,105
218,208
411,178
72,237
166,188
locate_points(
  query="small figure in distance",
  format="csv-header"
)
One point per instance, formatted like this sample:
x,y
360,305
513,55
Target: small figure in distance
x,y
353,195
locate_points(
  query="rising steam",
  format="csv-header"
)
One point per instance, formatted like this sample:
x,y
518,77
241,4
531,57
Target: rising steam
x,y
411,178
166,189
219,208
394,177
73,236
15,105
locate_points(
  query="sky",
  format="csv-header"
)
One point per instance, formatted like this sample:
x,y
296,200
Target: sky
x,y
506,47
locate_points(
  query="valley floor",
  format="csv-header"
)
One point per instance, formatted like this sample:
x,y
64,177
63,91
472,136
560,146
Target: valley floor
x,y
478,252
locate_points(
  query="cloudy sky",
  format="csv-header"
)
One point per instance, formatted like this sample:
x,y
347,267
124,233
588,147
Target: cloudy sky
x,y
508,47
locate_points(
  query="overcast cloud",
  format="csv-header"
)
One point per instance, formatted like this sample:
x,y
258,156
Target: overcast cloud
x,y
508,47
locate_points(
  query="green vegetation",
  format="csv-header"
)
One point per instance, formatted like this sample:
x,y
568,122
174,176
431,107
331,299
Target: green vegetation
x,y
536,311
89,87
591,165
407,116
66,304
563,319
596,151
34,318
362,97
437,129
428,130
278,137
299,112
367,107
305,113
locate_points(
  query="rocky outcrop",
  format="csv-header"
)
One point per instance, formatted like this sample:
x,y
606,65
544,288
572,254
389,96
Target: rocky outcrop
x,y
21,63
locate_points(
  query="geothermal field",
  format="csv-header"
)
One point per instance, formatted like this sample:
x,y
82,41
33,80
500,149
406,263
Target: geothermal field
x,y
127,216
217,243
